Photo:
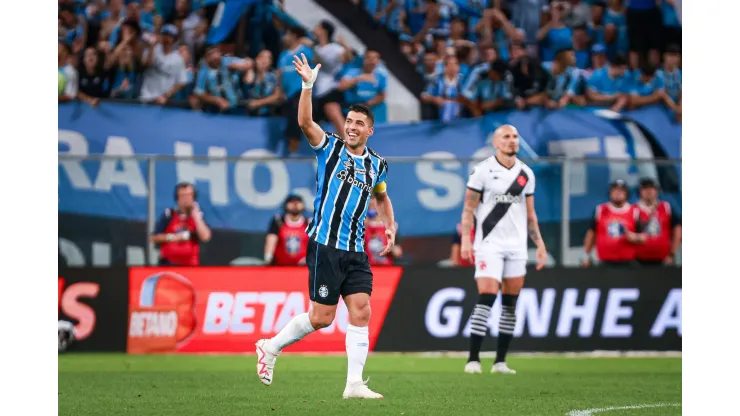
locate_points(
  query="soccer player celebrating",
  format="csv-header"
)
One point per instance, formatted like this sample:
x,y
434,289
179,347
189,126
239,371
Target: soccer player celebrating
x,y
500,196
349,174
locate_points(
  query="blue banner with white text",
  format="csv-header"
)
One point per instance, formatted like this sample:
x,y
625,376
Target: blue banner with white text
x,y
427,193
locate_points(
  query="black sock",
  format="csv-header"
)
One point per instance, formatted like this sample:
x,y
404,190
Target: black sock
x,y
506,325
479,324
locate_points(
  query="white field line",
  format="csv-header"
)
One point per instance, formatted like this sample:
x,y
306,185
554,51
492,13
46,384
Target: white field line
x,y
589,412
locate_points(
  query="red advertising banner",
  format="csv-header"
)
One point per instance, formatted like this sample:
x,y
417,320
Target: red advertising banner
x,y
227,309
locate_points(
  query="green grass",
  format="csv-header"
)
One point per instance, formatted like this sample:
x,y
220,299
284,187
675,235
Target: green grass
x,y
103,384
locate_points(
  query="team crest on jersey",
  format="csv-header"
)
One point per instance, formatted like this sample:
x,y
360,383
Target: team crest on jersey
x,y
521,180
372,174
293,244
653,227
614,229
323,291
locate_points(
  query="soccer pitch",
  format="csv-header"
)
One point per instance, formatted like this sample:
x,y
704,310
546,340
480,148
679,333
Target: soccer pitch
x,y
179,385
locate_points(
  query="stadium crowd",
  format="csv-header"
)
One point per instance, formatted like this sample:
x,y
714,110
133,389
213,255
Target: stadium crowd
x,y
479,56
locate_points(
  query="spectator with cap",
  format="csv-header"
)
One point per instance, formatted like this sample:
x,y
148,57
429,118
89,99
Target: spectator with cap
x,y
367,85
613,230
180,230
445,92
67,74
671,73
165,73
287,241
564,80
554,35
610,86
648,87
290,81
660,223
492,92
261,87
214,85
598,57
581,43
530,79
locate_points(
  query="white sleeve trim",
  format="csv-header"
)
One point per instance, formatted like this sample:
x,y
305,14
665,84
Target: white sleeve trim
x,y
321,144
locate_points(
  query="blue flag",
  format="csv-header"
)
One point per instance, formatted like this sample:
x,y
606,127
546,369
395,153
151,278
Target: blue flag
x,y
227,17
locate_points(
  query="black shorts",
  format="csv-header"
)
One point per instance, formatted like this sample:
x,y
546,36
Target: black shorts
x,y
644,30
333,272
318,104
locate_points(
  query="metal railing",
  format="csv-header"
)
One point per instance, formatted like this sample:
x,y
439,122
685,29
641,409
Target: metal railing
x,y
562,172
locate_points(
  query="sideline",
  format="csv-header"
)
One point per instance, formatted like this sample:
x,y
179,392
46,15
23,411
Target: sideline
x,y
589,412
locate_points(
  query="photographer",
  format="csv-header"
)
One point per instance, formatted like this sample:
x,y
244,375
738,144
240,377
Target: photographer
x,y
180,230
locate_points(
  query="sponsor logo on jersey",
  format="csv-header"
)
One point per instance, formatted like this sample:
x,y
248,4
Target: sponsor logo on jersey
x,y
508,198
343,175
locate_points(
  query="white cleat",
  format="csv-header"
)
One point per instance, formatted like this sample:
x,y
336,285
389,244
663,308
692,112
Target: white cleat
x,y
265,362
502,368
473,367
359,390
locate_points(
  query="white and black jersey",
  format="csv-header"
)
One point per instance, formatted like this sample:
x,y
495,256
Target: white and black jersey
x,y
501,216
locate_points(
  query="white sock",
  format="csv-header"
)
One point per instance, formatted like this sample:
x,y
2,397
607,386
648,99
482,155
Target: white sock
x,y
297,328
357,343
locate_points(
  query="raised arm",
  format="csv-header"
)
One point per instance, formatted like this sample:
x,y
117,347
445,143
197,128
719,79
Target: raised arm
x,y
313,131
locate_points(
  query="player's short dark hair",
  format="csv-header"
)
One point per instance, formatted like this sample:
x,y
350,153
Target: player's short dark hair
x,y
618,60
364,109
329,27
298,31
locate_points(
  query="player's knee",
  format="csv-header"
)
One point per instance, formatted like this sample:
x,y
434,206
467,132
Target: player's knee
x,y
359,314
321,317
487,299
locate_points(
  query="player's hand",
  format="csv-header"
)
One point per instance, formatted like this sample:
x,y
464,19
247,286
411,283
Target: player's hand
x,y
669,261
586,262
466,251
304,69
541,257
390,233
196,212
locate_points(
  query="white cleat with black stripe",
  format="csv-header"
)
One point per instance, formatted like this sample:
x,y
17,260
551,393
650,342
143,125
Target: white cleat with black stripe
x,y
502,368
473,367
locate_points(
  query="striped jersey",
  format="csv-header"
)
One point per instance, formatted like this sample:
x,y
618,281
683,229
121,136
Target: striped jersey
x,y
344,185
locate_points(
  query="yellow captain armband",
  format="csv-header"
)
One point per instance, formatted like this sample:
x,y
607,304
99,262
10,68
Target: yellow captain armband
x,y
379,188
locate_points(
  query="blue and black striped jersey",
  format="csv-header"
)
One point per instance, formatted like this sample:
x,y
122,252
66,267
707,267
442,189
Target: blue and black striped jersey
x,y
344,185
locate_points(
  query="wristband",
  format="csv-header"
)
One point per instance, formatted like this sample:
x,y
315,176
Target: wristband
x,y
314,73
169,237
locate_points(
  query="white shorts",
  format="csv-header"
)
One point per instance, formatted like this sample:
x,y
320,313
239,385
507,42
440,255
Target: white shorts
x,y
500,264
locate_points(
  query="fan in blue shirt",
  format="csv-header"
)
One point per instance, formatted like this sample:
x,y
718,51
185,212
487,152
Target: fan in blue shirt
x,y
367,85
214,85
261,86
616,37
610,85
489,88
555,35
596,29
562,88
672,77
445,91
648,87
290,80
580,47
